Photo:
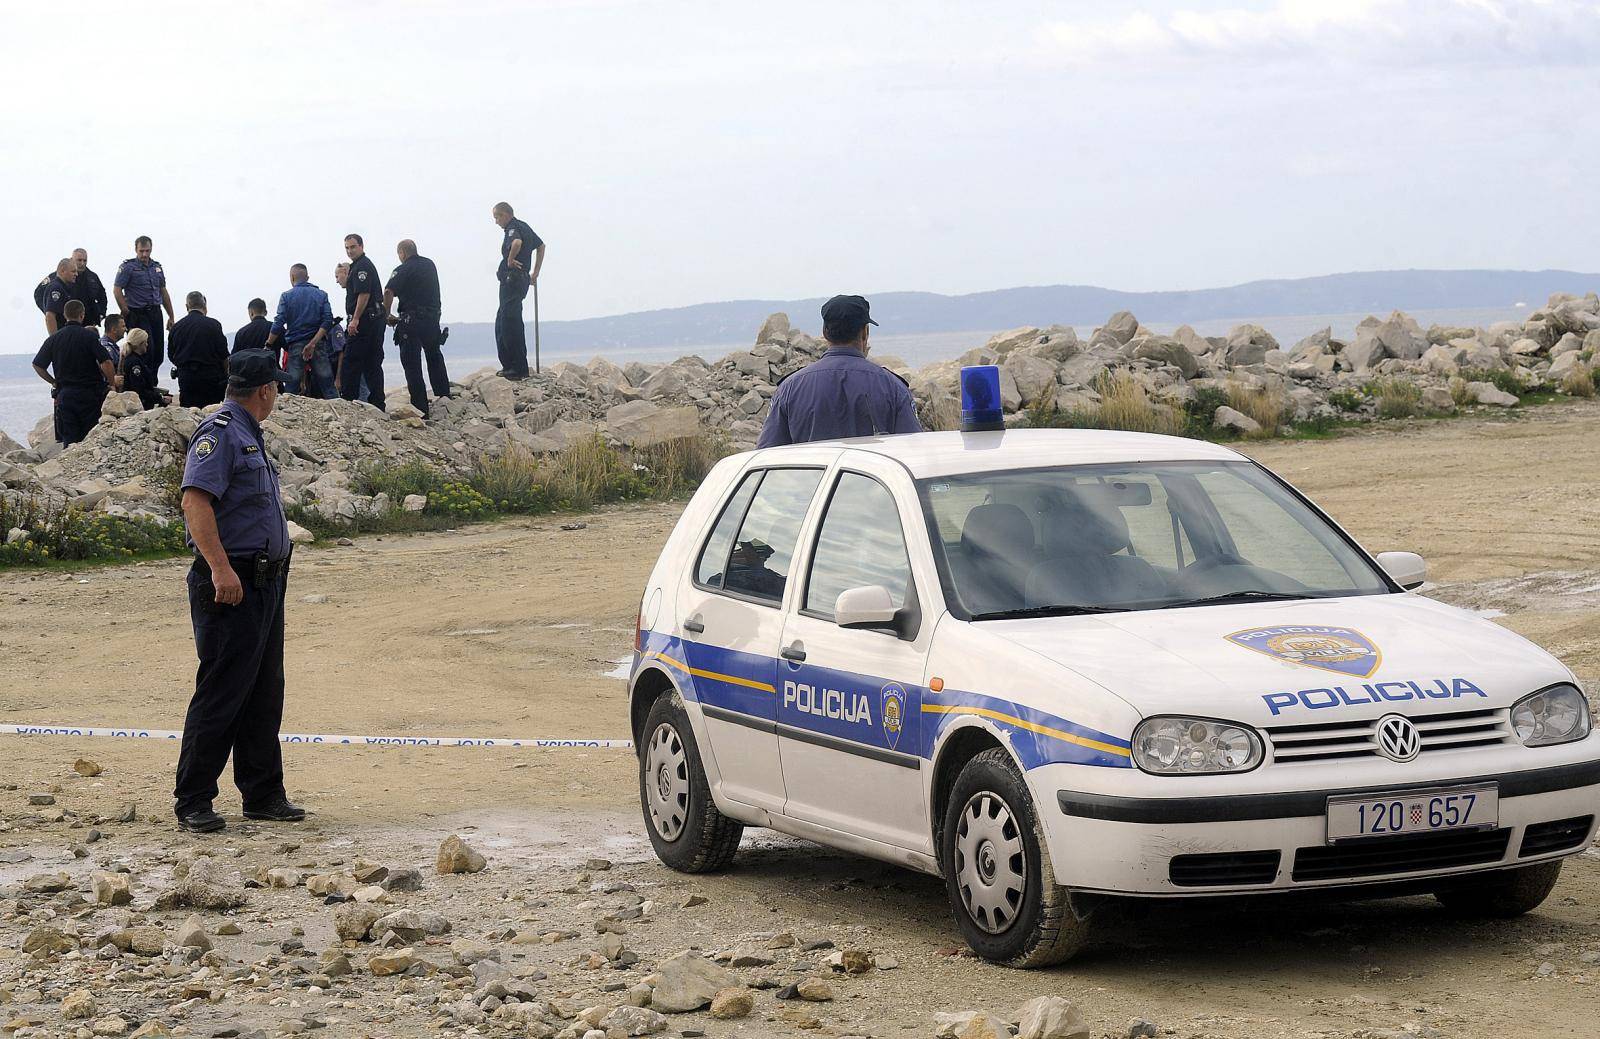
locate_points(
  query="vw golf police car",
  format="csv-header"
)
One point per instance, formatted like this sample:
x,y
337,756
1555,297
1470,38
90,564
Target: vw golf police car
x,y
1057,665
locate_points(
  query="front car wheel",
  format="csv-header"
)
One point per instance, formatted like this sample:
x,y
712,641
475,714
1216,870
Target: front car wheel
x,y
686,830
997,870
1502,894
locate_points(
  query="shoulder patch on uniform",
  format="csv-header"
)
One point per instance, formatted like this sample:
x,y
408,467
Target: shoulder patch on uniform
x,y
251,449
221,418
55,295
204,444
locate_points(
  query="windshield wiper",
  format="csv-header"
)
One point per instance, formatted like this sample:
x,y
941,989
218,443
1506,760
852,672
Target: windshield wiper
x,y
1243,595
1065,609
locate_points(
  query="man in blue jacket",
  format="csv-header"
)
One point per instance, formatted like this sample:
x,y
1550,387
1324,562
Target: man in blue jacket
x,y
303,322
841,394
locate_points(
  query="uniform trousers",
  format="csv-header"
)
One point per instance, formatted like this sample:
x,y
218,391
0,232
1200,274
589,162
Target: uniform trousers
x,y
363,361
77,411
418,334
199,388
510,335
238,693
149,319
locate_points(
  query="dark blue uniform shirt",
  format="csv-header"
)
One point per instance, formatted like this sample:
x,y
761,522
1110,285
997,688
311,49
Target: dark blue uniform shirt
x,y
141,282
416,282
57,294
228,460
301,311
363,279
518,231
842,394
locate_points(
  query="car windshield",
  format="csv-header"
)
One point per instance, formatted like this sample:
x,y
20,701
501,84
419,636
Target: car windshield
x,y
1134,536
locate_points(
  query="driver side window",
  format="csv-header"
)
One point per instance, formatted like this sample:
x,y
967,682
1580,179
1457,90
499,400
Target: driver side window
x,y
860,543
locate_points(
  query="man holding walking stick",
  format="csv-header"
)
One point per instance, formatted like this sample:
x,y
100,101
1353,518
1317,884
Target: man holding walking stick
x,y
517,248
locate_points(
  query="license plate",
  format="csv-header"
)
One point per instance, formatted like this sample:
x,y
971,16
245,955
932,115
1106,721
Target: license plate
x,y
1417,811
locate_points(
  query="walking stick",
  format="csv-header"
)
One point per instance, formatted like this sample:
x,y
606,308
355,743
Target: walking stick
x,y
536,326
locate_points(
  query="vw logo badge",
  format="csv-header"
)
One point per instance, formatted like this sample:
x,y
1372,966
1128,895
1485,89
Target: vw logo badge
x,y
1398,739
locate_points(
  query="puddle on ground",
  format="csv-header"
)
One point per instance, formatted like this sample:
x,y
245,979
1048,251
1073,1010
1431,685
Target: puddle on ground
x,y
1549,591
622,667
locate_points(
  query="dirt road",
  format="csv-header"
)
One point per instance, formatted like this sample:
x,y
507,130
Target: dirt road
x,y
509,630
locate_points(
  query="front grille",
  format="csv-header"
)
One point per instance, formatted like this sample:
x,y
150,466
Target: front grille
x,y
1223,869
1332,741
1377,856
1543,838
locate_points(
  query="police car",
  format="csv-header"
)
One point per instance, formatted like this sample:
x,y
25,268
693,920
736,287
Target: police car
x,y
1053,666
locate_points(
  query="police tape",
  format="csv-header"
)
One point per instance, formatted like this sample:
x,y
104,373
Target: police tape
x,y
320,738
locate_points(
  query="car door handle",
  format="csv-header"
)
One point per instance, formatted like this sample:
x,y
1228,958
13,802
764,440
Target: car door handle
x,y
795,652
694,624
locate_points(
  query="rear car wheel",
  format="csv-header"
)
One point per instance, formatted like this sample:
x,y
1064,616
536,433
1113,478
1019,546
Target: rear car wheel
x,y
997,870
686,830
1504,893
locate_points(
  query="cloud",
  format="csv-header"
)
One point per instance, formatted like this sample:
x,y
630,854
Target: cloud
x,y
1417,32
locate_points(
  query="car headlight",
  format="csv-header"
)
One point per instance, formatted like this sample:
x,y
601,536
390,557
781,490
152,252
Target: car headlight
x,y
1194,746
1559,714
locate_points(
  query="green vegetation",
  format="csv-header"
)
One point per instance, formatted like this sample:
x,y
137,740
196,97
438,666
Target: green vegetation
x,y
1125,405
1578,383
1396,398
64,533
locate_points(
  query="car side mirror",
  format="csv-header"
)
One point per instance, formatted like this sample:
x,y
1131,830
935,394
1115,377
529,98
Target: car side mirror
x,y
1407,568
867,607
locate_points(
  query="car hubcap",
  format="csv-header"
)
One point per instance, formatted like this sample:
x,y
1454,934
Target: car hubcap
x,y
991,866
666,782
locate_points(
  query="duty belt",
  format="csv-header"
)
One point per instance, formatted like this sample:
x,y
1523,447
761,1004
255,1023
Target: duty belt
x,y
256,568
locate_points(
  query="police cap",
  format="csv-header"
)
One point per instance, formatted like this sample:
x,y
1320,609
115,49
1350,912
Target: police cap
x,y
847,310
248,369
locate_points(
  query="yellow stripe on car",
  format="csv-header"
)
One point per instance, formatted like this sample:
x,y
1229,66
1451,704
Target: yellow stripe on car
x,y
1043,730
713,675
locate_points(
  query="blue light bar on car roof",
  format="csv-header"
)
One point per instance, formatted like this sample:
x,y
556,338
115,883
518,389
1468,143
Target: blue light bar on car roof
x,y
980,399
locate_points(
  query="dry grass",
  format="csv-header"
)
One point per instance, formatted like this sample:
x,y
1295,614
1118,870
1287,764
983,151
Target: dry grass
x,y
1267,405
1124,404
1578,383
1396,398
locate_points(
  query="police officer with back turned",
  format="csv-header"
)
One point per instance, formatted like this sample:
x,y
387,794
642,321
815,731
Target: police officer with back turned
x,y
841,394
233,511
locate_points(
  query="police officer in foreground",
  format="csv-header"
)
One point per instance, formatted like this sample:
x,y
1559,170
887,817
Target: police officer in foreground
x,y
841,394
521,256
233,511
416,328
363,327
141,290
79,373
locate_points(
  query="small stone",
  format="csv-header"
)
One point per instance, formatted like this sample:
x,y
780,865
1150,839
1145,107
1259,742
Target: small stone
x,y
192,935
353,922
631,1020
732,1003
145,941
79,1005
228,929
48,940
334,963
850,961
970,1024
402,880
689,981
86,768
1051,1017
814,990
596,865
456,857
112,889
883,961
40,800
151,1030
782,940
468,951
128,814
694,900
1139,1028
384,964
110,1026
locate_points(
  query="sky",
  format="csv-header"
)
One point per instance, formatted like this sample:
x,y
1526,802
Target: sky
x,y
681,151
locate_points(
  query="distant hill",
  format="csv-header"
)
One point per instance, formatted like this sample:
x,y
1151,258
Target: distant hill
x,y
736,321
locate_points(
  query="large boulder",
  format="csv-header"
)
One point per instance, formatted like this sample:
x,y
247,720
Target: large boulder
x,y
1248,344
1314,345
1489,393
1167,350
1051,1017
776,326
498,395
1034,377
640,423
120,405
43,432
1121,326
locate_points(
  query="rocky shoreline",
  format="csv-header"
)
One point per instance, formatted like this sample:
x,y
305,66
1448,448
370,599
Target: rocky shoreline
x,y
122,466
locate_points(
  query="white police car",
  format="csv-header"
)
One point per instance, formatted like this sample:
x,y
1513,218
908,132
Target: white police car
x,y
1056,665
